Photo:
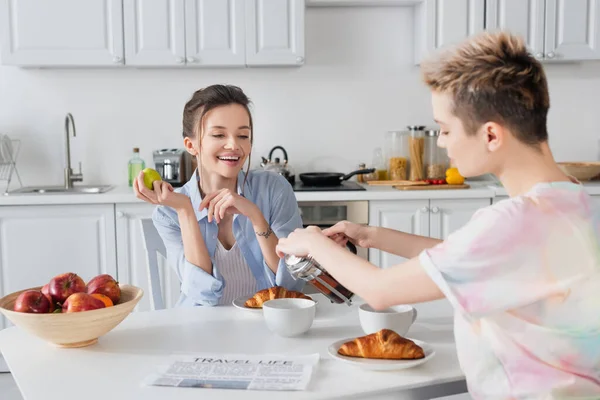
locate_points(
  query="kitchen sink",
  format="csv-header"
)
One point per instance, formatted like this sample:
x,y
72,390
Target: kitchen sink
x,y
62,190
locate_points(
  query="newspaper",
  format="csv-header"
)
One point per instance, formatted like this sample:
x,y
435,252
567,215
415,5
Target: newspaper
x,y
249,372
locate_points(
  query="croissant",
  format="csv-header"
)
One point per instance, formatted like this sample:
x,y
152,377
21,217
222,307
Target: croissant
x,y
385,344
275,292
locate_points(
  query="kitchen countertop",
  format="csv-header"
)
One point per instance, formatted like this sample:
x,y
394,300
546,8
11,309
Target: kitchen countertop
x,y
124,194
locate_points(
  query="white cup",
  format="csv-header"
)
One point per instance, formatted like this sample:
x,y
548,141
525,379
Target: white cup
x,y
397,318
289,317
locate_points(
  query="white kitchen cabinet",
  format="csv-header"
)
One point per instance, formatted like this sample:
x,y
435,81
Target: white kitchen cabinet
x,y
447,216
555,30
274,32
572,29
62,32
439,23
411,216
40,242
521,17
154,32
432,218
131,256
215,33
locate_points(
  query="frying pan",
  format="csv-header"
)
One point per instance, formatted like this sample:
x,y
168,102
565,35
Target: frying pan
x,y
330,178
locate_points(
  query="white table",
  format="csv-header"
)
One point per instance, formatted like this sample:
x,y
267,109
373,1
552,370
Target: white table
x,y
116,366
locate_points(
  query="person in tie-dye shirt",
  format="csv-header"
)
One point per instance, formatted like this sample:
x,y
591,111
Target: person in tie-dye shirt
x,y
523,275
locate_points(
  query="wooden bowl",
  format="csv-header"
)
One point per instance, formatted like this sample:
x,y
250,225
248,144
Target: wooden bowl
x,y
78,329
582,171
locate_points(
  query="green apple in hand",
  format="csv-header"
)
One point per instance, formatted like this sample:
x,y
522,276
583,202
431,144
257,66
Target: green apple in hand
x,y
150,175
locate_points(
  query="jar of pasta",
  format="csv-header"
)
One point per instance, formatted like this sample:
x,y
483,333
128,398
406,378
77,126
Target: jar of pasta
x,y
416,152
436,160
396,147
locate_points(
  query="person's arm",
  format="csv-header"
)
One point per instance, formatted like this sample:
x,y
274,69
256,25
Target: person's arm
x,y
194,248
267,240
391,241
401,284
196,276
399,243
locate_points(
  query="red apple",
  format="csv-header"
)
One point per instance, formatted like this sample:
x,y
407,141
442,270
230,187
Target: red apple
x,y
32,301
64,285
81,302
46,292
106,285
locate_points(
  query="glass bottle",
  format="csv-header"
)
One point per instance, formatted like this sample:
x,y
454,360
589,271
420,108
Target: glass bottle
x,y
379,165
135,165
361,178
435,162
396,145
416,145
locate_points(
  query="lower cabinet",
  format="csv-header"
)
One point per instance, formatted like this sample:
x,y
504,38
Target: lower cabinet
x,y
434,218
131,256
40,242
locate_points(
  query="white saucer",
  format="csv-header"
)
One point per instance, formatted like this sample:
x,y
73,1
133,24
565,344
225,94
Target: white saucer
x,y
240,301
381,365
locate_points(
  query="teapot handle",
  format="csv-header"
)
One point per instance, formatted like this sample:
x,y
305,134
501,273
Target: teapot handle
x,y
285,156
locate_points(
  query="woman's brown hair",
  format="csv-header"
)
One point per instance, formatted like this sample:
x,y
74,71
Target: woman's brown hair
x,y
211,97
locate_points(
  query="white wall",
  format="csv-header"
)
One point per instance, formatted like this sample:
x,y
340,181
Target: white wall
x,y
359,81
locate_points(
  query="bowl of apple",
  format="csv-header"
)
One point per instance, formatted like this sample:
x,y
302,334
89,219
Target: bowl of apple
x,y
67,312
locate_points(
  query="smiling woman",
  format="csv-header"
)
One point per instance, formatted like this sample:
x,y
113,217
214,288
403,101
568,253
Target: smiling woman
x,y
222,227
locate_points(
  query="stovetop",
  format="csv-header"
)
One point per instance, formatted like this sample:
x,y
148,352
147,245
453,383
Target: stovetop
x,y
345,186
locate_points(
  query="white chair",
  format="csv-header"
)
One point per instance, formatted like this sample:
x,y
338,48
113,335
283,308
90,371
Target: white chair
x,y
154,246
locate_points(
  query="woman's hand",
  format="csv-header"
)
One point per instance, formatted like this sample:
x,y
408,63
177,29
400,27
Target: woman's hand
x,y
162,194
345,231
225,202
300,242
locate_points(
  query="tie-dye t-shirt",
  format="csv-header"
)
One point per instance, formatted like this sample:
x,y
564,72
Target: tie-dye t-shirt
x,y
524,279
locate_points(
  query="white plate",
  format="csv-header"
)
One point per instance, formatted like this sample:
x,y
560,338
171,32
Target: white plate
x,y
240,301
381,365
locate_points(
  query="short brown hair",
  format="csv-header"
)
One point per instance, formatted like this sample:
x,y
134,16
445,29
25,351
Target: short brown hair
x,y
493,77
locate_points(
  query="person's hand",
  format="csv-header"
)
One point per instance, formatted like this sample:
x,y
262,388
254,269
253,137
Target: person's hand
x,y
225,202
162,194
345,231
299,242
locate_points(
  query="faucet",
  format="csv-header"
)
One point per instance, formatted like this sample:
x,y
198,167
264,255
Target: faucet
x,y
70,177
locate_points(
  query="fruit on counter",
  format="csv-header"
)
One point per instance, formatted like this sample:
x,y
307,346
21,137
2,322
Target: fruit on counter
x,y
64,285
103,298
46,292
32,301
106,285
435,181
81,302
453,177
150,175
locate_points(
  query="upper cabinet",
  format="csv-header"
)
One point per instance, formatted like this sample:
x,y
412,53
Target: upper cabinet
x,y
554,30
439,23
275,32
153,33
62,32
215,32
522,17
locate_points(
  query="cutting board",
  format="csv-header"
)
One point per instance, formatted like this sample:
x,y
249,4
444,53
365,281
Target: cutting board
x,y
397,183
432,187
